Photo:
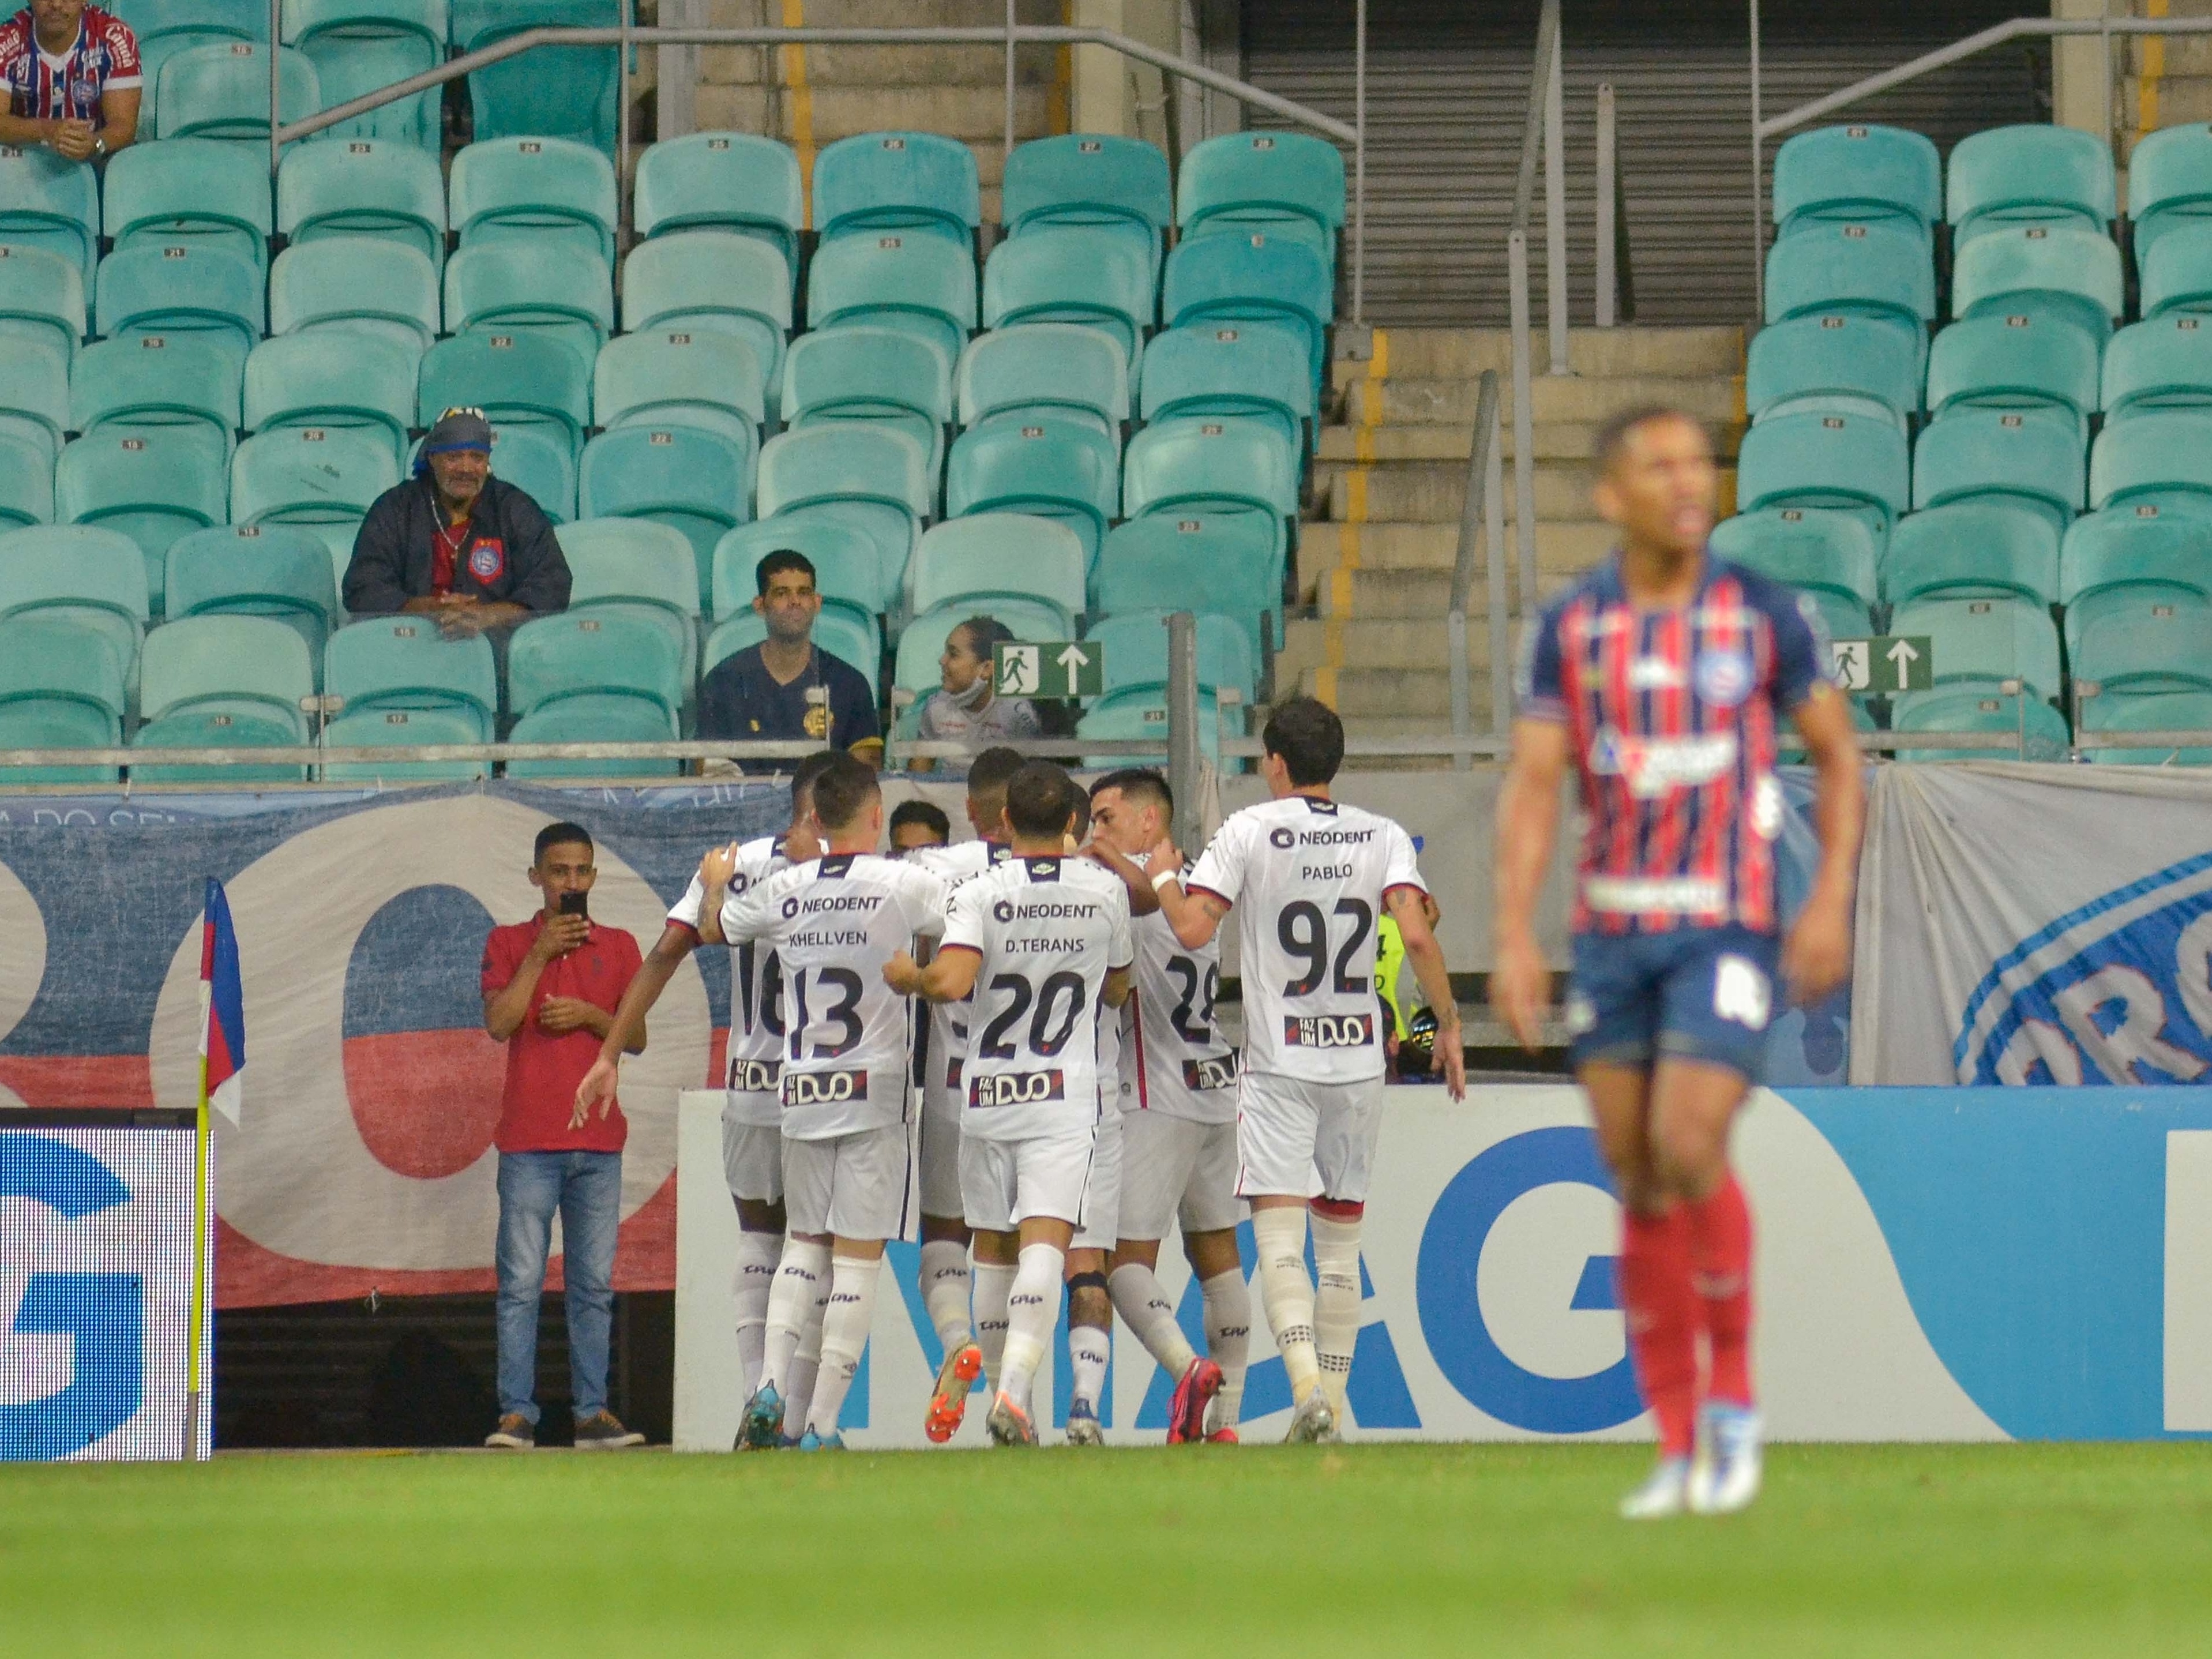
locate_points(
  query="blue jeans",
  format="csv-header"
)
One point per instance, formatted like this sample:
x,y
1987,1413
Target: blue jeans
x,y
585,1187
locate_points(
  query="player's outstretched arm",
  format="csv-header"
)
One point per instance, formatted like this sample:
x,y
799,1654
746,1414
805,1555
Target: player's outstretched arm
x,y
950,976
1194,917
626,1030
1144,898
1409,908
1816,957
716,872
1528,820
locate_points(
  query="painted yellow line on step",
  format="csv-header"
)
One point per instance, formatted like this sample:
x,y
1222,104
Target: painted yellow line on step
x,y
1339,608
2154,70
802,104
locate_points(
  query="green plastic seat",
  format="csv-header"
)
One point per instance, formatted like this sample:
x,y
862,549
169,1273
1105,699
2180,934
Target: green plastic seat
x,y
221,91
592,719
1136,647
152,485
712,280
524,378
1250,373
2165,363
1208,563
50,203
166,27
1971,550
974,560
686,377
41,298
1836,365
331,379
2177,272
2030,456
554,193
1879,270
729,181
691,480
1061,369
361,284
241,664
1858,175
895,182
176,288
922,285
26,482
1979,706
1112,183
1850,463
2057,272
2015,363
854,639
34,395
876,375
1139,717
848,571
1286,184
404,662
2150,711
555,92
537,463
386,190
1071,274
635,568
921,643
507,287
85,576
359,47
869,477
2135,548
326,478
1817,550
1990,638
2159,460
255,570
1051,468
248,727
157,381
1210,469
554,658
197,191
2169,182
2137,641
392,728
2003,178
1253,279
61,687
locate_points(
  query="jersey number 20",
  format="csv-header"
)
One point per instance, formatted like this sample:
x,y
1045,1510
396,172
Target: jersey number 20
x,y
1050,1027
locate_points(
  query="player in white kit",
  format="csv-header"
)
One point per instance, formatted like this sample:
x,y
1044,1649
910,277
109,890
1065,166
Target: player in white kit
x,y
834,922
1090,1302
1042,940
1309,879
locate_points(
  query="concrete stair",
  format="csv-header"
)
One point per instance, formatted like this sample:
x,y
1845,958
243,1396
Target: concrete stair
x,y
2163,82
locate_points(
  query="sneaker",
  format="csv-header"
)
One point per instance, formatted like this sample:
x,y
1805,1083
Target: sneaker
x,y
812,1441
603,1431
1009,1424
1187,1410
1222,1438
1314,1423
515,1432
1725,1477
1665,1492
948,1404
761,1426
1083,1428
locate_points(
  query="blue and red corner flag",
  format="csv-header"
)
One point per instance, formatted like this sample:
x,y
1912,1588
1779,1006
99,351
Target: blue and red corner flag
x,y
222,1010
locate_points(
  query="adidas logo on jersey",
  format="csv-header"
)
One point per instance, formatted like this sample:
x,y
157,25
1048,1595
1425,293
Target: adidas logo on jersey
x,y
1018,1088
1216,1072
755,1077
823,1088
1328,1030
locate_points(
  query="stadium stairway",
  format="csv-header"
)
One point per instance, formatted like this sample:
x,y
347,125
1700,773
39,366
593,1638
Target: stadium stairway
x,y
2166,82
1389,482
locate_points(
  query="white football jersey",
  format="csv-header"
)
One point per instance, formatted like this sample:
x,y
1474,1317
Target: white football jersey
x,y
1307,878
945,1043
1048,930
835,921
756,1045
1174,1060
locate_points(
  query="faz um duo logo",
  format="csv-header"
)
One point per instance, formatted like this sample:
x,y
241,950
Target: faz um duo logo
x,y
1328,1030
823,1088
1018,1088
2118,991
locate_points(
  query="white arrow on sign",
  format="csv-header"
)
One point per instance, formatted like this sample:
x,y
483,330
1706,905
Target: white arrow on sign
x,y
1902,656
1074,660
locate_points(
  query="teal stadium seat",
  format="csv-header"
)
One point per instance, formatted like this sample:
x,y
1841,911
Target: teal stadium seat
x,y
1213,469
1071,274
1061,369
2138,643
157,381
60,688
394,729
1979,707
256,570
1099,180
154,485
2136,550
1971,550
1986,640
1831,556
894,181
2150,711
361,284
27,483
974,561
537,463
172,288
915,666
50,203
222,682
732,181
82,575
1061,470
377,188
695,481
1255,279
2161,459
328,378
166,27
2177,271
1836,365
634,567
41,298
872,479
846,572
221,91
554,193
1880,270
713,282
508,288
2166,364
1136,644
878,374
2040,271
1247,374
1858,175
1284,184
555,92
324,478
360,46
2015,363
1207,563
1852,463
854,641
2004,178
34,395
196,191
2030,456
405,662
517,379
593,678
923,284
2169,182
686,377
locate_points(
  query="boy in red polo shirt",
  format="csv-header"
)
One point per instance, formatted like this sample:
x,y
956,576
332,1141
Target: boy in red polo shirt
x,y
551,987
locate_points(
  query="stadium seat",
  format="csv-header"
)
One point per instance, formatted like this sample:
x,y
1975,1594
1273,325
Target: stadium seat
x,y
82,575
1214,469
2030,456
193,191
2162,459
712,280
1979,707
1252,279
364,285
1071,274
152,485
1971,550
328,378
1837,365
1826,554
729,181
52,205
1986,640
880,374
220,90
973,561
1061,369
915,666
1246,373
923,285
688,377
41,298
594,720
1225,565
27,483
34,395
377,188
394,728
222,682
166,27
2169,182
1881,270
872,479
156,380
1096,179
1284,184
1050,468
255,570
592,678
325,479
2166,364
554,193
1136,645
61,687
508,287
173,289
2004,178
538,464
520,379
2138,550
854,641
2015,363
873,182
634,567
215,728
2150,711
1855,464
694,481
2177,272
847,570
405,662
555,92
2054,272
360,46
2137,643
1858,175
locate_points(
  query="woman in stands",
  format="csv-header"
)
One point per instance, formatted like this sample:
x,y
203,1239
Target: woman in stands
x,y
966,708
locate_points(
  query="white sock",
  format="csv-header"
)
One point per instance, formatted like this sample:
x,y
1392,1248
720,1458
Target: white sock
x,y
945,1290
993,1285
1280,1233
805,1365
1228,1340
1336,1304
804,1270
1145,1308
1088,1349
845,1325
1031,1307
759,1254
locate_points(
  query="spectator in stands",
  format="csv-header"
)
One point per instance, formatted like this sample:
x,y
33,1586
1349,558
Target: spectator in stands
x,y
455,542
784,688
965,707
73,80
917,823
551,987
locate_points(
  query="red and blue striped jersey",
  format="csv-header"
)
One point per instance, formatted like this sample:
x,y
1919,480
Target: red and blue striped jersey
x,y
105,58
1673,715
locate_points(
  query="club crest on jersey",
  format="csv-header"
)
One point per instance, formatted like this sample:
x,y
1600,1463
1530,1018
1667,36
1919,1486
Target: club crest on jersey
x,y
1328,1030
1723,678
1018,1088
823,1088
1282,839
1215,1071
755,1077
487,559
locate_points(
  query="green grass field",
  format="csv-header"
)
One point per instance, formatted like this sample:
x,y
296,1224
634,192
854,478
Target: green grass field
x,y
2016,1550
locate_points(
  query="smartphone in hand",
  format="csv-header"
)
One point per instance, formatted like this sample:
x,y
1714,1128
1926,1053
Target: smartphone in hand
x,y
575,904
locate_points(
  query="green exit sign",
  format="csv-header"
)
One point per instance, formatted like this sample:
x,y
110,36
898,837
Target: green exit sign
x,y
1054,668
1885,663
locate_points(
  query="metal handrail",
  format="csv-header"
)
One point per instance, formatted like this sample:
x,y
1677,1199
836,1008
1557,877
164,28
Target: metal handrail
x,y
1545,125
1616,281
1481,519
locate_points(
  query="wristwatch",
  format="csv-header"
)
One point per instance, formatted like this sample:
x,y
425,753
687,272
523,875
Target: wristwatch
x,y
99,145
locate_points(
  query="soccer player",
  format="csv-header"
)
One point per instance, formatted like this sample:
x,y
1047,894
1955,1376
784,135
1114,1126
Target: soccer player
x,y
1309,877
1090,1301
1043,941
834,922
1178,1130
915,824
1661,677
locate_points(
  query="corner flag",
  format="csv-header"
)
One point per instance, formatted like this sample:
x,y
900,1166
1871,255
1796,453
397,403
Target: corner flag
x,y
222,1010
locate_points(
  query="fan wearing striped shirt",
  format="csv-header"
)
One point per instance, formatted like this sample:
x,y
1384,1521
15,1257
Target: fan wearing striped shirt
x,y
73,80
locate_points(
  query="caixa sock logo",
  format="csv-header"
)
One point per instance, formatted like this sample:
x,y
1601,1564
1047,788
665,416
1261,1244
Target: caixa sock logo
x,y
2118,991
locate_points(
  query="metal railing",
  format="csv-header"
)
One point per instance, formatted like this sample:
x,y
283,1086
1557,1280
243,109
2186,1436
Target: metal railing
x,y
1544,129
1616,281
1481,523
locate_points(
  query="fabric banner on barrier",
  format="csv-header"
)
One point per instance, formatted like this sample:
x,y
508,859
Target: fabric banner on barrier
x,y
2034,924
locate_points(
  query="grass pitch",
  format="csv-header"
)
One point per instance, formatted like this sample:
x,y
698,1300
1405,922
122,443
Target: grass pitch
x,y
1394,1550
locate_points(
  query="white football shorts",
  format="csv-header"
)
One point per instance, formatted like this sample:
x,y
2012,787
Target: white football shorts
x,y
1179,1170
852,1185
1312,1139
1003,1182
1102,1206
753,1159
